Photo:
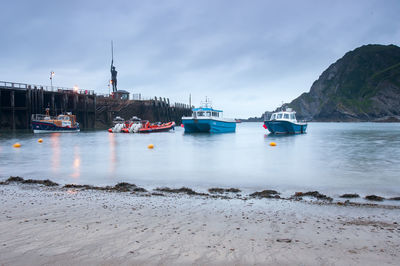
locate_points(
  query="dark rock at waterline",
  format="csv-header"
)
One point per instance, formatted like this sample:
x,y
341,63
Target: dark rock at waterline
x,y
395,198
269,194
184,190
350,196
314,194
374,198
217,190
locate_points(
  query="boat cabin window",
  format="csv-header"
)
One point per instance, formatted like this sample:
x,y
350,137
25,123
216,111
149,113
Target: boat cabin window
x,y
279,116
200,113
208,114
62,117
215,114
272,117
286,116
292,116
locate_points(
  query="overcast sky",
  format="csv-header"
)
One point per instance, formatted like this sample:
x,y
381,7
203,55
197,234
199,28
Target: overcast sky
x,y
247,56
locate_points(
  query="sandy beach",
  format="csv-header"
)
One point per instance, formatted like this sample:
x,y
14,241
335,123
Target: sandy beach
x,y
57,226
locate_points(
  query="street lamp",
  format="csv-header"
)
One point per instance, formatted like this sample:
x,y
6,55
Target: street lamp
x,y
76,88
51,79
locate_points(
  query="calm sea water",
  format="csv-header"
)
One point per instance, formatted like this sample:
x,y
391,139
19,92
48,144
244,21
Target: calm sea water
x,y
331,157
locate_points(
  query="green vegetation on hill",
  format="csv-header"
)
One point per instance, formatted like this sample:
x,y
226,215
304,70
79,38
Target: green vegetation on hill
x,y
364,85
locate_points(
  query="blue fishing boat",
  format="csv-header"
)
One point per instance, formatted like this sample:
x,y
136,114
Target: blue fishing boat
x,y
207,119
285,122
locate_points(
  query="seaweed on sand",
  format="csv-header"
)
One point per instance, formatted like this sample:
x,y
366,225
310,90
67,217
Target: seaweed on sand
x,y
18,179
314,194
217,190
184,190
374,198
350,196
268,193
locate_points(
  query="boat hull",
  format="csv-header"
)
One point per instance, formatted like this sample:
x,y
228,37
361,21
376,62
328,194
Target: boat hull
x,y
158,129
44,127
208,125
285,127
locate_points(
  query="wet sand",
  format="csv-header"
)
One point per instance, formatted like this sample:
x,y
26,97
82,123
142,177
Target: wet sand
x,y
53,226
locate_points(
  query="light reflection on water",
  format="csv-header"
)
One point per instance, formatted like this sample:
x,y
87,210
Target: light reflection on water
x,y
349,157
77,163
55,154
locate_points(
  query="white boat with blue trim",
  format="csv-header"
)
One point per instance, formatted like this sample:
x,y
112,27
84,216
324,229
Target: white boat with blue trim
x,y
207,119
285,122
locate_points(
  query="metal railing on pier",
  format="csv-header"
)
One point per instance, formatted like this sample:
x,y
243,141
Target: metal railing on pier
x,y
24,86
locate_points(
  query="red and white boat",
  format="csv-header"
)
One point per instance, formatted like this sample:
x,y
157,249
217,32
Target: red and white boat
x,y
140,126
158,127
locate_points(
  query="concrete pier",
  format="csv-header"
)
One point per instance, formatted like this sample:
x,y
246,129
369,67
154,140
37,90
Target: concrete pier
x,y
18,101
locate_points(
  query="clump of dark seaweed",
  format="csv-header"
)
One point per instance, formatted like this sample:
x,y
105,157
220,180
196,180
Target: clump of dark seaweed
x,y
349,196
139,189
217,190
120,187
18,179
157,194
46,182
268,193
86,187
395,198
15,179
184,190
374,198
314,194
124,187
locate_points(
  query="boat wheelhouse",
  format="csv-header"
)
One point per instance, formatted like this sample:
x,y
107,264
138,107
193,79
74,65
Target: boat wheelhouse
x,y
207,119
285,122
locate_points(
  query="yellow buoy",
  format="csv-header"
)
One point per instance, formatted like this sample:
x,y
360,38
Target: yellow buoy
x,y
272,144
40,140
151,146
17,145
